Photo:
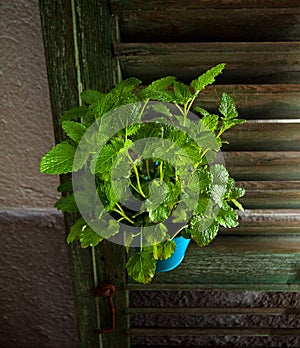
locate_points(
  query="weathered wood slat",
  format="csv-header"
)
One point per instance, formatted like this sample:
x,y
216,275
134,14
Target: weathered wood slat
x,y
267,222
207,25
278,101
121,5
271,194
57,25
96,67
263,136
255,62
148,331
213,287
263,165
213,311
251,260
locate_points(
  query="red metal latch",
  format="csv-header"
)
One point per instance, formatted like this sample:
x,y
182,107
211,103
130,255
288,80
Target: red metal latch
x,y
108,290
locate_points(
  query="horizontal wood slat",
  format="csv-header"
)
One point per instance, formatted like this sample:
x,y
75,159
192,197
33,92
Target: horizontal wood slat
x,y
255,62
121,5
271,195
263,165
252,260
145,331
263,136
207,25
278,101
213,311
267,221
213,287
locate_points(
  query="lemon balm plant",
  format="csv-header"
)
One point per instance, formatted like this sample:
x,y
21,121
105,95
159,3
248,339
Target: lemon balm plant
x,y
145,169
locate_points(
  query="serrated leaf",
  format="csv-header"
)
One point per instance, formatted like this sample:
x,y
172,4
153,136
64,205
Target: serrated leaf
x,y
211,122
207,78
88,237
227,217
220,174
76,230
227,124
158,90
182,93
90,96
74,130
155,234
59,160
164,250
236,192
141,267
203,232
67,203
74,113
65,187
227,107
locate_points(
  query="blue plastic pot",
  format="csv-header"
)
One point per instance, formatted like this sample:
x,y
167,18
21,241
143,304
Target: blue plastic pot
x,y
176,259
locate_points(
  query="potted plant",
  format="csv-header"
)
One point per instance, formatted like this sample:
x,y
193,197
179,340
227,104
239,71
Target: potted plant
x,y
146,172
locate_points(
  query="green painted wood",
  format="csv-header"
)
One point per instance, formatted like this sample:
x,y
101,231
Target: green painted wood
x,y
248,260
255,62
209,25
213,311
95,31
57,25
121,5
213,331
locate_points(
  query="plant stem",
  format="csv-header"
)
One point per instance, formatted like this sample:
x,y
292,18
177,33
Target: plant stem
x,y
138,181
140,191
122,213
147,169
161,173
182,228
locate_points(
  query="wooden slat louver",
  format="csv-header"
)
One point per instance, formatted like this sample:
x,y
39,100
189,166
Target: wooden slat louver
x,y
259,41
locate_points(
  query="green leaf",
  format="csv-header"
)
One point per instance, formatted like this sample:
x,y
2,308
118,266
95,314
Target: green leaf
x,y
235,193
74,113
90,96
227,124
207,78
158,90
227,217
227,107
182,93
220,174
202,231
74,130
105,228
155,234
65,187
164,250
59,160
211,122
76,230
141,267
88,237
67,203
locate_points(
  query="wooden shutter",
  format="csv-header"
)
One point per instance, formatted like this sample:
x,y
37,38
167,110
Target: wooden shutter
x,y
91,44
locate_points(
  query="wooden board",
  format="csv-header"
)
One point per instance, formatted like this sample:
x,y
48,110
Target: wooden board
x,y
176,24
246,62
244,260
121,5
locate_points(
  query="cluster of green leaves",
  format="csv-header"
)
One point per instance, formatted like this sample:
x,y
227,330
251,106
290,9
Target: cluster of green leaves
x,y
163,189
